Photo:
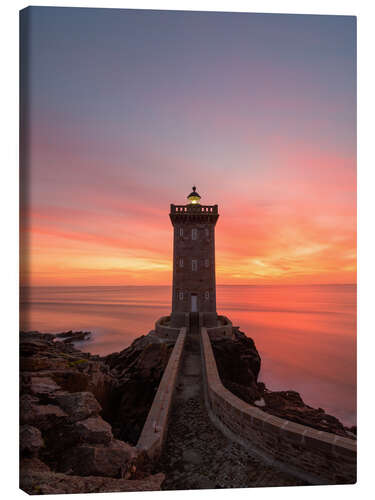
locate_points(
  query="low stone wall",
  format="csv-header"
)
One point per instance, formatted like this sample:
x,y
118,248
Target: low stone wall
x,y
164,330
155,429
224,328
322,457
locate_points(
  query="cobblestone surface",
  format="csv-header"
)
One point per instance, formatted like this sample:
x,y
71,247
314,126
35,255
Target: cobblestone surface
x,y
196,454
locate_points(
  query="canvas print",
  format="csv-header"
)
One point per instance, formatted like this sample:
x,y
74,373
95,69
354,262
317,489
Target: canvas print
x,y
188,250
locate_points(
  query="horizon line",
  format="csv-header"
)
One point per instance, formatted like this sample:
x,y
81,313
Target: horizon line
x,y
164,285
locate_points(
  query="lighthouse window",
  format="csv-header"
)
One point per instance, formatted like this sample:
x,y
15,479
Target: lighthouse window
x,y
181,231
194,233
181,295
194,265
206,295
206,262
181,261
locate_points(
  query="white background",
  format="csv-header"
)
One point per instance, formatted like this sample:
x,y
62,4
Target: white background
x,y
366,277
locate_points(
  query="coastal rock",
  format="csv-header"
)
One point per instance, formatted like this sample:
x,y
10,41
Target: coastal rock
x,y
39,364
78,405
35,481
69,337
27,403
43,385
32,464
69,402
138,371
33,343
290,405
238,363
41,416
94,430
113,460
30,440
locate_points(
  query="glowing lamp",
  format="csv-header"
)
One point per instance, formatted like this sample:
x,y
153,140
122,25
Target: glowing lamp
x,y
194,197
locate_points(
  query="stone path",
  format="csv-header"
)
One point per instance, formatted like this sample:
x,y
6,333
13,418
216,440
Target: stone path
x,y
196,454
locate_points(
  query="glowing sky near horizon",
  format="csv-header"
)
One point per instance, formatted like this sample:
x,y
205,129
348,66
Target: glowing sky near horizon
x,y
129,109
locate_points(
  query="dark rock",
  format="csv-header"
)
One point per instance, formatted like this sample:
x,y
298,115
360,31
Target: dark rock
x,y
43,482
138,370
43,385
68,337
63,390
72,380
290,405
41,416
94,430
30,440
77,405
33,464
238,364
27,403
109,461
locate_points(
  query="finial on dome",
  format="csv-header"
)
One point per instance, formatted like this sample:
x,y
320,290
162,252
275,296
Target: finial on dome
x,y
194,197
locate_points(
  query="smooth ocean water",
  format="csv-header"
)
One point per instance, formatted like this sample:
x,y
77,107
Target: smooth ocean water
x,y
306,335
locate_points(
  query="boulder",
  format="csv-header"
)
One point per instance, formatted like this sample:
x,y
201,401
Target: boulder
x,y
78,405
43,386
41,416
27,407
113,460
30,440
93,430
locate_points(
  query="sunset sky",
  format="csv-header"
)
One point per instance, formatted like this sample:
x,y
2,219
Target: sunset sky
x,y
129,109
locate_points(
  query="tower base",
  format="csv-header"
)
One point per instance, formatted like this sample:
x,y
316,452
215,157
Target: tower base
x,y
180,319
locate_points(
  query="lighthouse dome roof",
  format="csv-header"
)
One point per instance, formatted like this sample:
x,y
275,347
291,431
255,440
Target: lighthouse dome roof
x,y
194,196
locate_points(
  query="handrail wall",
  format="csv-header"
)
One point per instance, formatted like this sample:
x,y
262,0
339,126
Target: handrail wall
x,y
154,431
321,454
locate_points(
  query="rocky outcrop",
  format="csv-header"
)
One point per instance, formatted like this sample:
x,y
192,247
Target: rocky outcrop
x,y
30,440
81,415
38,479
238,363
68,403
71,336
290,405
77,405
138,371
110,458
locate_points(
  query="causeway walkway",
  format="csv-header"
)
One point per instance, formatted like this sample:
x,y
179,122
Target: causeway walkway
x,y
196,454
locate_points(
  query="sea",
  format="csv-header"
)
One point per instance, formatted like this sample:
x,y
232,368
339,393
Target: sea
x,y
305,334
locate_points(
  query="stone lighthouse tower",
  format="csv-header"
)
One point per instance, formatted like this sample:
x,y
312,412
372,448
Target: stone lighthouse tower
x,y
194,287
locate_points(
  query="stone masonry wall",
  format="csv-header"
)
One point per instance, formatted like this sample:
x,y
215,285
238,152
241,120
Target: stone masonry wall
x,y
199,280
224,328
155,429
327,457
164,329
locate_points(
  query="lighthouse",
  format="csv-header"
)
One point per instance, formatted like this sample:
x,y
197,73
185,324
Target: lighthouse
x,y
194,285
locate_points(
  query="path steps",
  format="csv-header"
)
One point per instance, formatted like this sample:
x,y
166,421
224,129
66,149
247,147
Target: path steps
x,y
196,454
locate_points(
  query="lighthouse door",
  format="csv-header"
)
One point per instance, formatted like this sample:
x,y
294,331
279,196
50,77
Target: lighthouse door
x,y
194,302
